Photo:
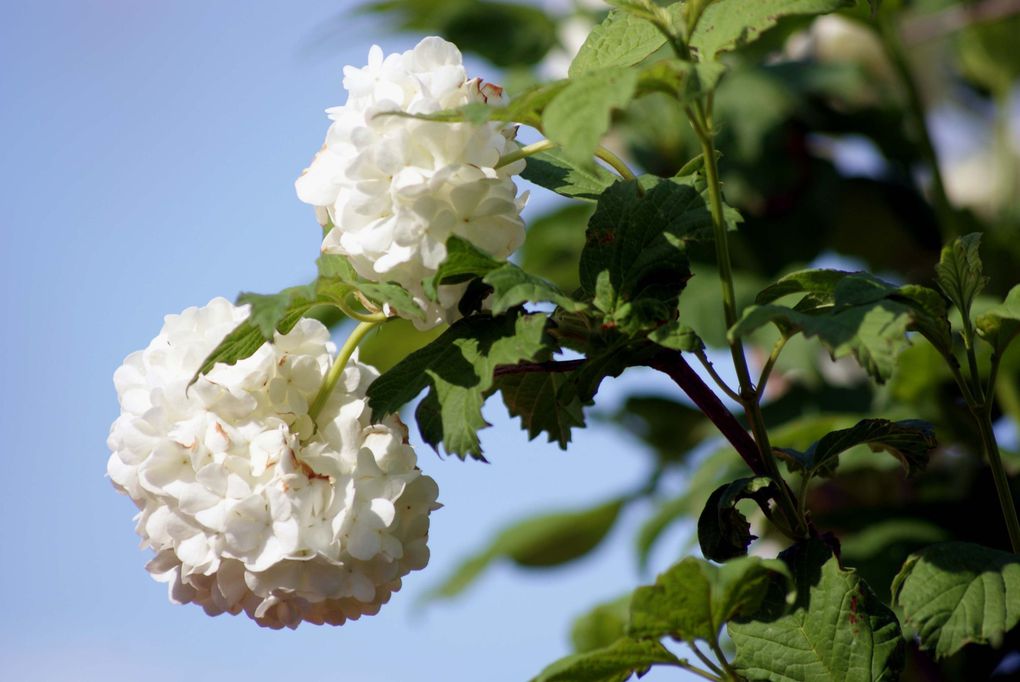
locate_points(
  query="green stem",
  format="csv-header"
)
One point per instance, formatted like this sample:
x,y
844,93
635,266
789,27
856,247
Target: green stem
x,y
748,394
337,368
981,410
374,318
698,671
615,162
889,35
728,672
766,371
705,659
611,159
526,151
1002,489
710,368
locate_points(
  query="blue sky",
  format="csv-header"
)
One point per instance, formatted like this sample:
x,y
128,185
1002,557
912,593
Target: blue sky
x,y
150,150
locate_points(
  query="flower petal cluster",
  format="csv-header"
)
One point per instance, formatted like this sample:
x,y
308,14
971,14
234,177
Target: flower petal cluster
x,y
397,188
247,505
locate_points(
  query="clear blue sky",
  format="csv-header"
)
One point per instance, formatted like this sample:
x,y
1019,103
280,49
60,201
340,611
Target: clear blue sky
x,y
149,151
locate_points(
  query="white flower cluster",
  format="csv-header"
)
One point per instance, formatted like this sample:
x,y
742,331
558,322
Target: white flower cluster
x,y
247,509
396,188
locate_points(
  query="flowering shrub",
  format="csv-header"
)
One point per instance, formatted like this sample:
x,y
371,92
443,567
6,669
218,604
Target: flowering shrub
x,y
274,477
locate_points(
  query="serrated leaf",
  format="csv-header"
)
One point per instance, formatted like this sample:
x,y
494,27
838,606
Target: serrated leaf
x,y
821,282
723,531
684,81
926,307
267,310
728,24
601,626
555,171
335,270
875,334
542,541
959,271
578,117
270,313
463,261
457,368
694,599
838,629
676,336
622,39
634,263
957,593
910,441
862,316
512,286
614,663
1001,324
534,397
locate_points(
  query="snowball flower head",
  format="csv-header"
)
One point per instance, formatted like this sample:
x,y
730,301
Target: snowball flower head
x,y
248,505
395,189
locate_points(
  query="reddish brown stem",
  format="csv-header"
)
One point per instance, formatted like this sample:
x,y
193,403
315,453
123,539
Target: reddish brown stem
x,y
676,368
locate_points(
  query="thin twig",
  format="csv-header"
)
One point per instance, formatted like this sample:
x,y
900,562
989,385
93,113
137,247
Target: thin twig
x,y
704,659
710,368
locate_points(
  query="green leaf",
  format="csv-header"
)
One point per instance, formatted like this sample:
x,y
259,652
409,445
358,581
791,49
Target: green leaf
x,y
728,24
838,630
875,334
928,313
337,273
267,310
513,286
463,262
535,398
601,626
614,663
863,316
910,441
956,593
723,531
622,39
270,313
539,542
693,599
457,368
676,336
634,263
822,283
578,117
684,81
555,171
1001,324
507,34
959,271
